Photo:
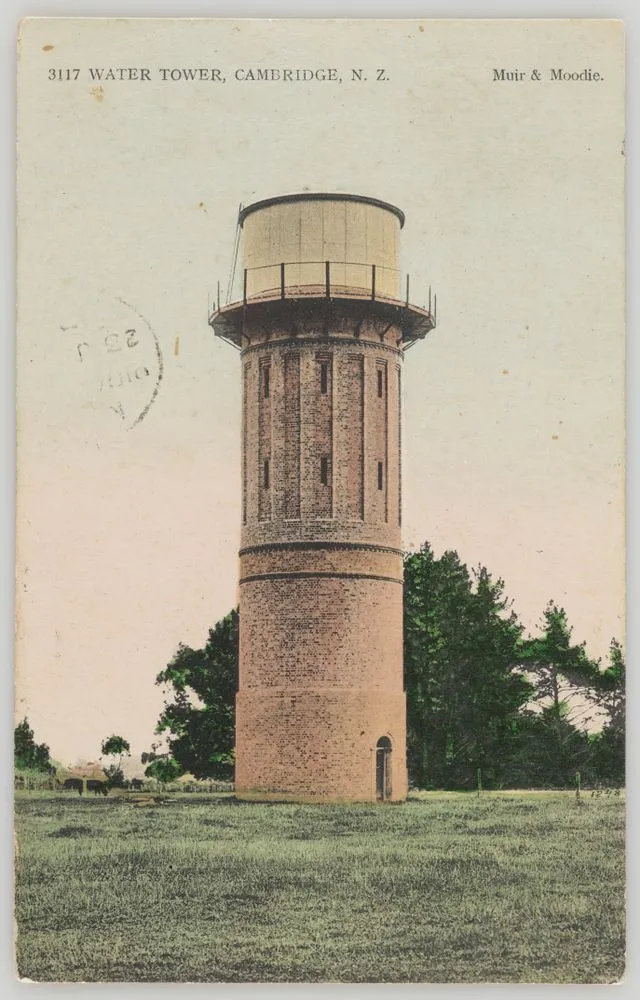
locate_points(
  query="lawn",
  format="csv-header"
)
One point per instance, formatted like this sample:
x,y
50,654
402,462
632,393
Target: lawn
x,y
201,888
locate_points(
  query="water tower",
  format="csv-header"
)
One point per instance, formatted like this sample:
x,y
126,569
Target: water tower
x,y
322,320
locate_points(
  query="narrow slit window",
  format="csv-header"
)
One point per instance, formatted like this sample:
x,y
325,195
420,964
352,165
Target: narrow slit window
x,y
324,470
265,474
266,382
379,475
324,377
380,382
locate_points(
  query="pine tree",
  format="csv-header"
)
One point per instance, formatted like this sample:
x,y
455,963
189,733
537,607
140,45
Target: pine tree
x,y
462,671
561,668
609,695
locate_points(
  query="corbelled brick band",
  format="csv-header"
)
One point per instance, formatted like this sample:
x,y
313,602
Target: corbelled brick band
x,y
320,709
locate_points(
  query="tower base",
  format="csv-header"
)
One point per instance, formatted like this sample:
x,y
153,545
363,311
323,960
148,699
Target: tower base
x,y
328,745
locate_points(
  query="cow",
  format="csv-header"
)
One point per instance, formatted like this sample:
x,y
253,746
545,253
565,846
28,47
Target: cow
x,y
74,783
97,787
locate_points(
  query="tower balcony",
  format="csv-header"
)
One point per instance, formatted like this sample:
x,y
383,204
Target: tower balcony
x,y
269,289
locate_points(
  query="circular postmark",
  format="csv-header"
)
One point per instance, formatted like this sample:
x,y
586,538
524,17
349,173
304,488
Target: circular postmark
x,y
118,360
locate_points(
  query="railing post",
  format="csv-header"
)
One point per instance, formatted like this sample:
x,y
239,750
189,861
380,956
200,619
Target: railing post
x,y
373,281
435,309
218,296
282,280
407,302
327,278
244,288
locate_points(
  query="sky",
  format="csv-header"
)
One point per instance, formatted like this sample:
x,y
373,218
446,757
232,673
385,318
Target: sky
x,y
129,483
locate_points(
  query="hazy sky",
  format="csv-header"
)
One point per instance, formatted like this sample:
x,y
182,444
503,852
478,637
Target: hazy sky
x,y
129,191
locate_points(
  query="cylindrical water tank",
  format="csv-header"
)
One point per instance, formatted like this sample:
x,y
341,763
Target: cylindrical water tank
x,y
357,236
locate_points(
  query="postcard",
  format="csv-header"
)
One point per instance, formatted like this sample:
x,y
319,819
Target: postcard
x,y
320,652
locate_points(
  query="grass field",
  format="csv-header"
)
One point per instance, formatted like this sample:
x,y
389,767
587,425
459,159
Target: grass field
x,y
446,888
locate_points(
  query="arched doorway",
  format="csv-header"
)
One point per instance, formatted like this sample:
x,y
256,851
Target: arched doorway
x,y
383,769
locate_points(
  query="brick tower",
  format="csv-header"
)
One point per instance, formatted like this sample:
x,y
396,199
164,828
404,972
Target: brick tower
x,y
321,324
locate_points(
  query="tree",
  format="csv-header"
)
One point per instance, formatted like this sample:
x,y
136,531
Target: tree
x,y
116,747
462,645
29,755
609,696
561,669
609,692
150,755
546,750
199,713
164,769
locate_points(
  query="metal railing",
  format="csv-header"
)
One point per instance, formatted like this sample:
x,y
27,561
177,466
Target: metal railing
x,y
297,279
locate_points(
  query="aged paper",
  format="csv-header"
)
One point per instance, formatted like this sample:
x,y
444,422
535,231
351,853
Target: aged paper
x,y
502,144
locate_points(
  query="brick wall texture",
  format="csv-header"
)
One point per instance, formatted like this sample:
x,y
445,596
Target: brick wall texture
x,y
320,592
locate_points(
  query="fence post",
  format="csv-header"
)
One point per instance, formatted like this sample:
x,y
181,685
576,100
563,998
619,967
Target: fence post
x,y
479,776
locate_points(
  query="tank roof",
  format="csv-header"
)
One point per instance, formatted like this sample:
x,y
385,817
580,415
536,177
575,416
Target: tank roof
x,y
318,196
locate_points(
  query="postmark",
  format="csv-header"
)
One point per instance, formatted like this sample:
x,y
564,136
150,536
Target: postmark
x,y
118,361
